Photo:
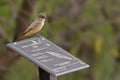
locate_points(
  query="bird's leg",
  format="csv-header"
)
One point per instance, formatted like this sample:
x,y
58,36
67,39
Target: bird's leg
x,y
36,34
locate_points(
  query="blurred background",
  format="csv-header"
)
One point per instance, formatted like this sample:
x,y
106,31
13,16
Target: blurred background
x,y
88,29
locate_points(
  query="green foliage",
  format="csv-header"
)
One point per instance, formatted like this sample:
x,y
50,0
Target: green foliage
x,y
91,37
22,70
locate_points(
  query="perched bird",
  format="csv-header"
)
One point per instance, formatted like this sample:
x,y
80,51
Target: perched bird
x,y
35,27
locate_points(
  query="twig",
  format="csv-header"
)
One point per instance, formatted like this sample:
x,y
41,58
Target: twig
x,y
107,17
3,36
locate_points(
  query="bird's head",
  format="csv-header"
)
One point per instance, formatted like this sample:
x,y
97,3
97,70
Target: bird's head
x,y
42,16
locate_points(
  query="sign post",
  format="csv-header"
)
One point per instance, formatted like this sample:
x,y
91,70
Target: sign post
x,y
52,60
53,77
43,75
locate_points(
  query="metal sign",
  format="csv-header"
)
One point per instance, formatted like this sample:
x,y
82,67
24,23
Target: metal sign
x,y
47,56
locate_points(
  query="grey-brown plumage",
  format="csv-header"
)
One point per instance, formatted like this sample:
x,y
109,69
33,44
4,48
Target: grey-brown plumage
x,y
35,27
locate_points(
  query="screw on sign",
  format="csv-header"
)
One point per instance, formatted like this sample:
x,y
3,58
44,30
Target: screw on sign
x,y
52,60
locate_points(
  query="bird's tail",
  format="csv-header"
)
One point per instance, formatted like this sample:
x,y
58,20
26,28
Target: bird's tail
x,y
20,38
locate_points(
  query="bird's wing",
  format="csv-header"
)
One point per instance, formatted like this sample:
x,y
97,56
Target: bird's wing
x,y
32,26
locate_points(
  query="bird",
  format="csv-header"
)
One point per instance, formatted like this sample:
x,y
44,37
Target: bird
x,y
34,27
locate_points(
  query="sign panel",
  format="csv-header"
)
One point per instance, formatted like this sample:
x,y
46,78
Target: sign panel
x,y
47,55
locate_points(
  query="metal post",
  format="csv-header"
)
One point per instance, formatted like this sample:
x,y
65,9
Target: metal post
x,y
43,75
53,77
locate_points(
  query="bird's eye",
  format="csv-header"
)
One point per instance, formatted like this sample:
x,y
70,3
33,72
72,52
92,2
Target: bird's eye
x,y
42,16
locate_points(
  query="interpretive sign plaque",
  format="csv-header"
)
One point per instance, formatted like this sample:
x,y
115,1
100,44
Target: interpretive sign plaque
x,y
47,55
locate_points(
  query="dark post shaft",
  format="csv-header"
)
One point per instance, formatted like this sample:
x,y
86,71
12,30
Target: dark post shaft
x,y
43,75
